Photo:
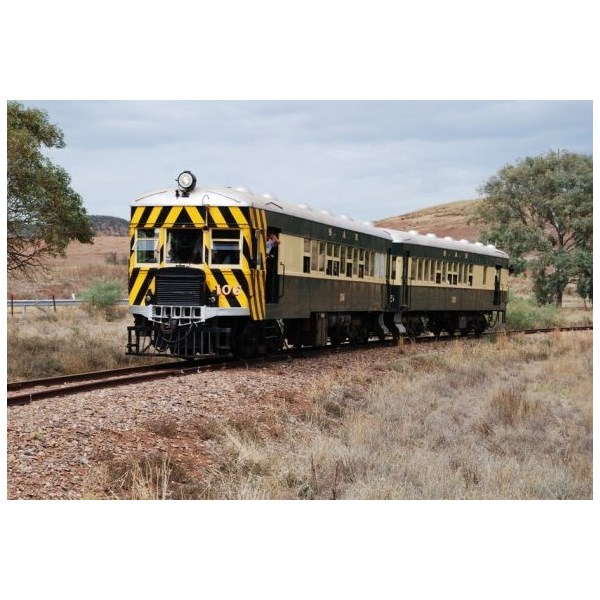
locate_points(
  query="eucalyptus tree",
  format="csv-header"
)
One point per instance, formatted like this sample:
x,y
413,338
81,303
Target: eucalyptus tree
x,y
43,212
539,210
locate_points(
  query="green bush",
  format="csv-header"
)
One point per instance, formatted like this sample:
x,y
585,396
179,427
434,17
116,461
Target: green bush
x,y
102,294
523,314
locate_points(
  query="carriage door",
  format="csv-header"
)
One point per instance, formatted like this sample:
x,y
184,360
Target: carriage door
x,y
497,286
405,289
272,283
389,277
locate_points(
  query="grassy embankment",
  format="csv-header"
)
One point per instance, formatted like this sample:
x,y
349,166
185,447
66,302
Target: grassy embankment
x,y
509,418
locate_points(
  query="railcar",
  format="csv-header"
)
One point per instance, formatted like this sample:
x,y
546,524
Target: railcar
x,y
202,283
442,284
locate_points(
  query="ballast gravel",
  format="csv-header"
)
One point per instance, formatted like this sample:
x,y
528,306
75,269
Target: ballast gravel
x,y
57,447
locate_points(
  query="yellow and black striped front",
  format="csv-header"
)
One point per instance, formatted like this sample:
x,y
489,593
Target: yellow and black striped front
x,y
238,286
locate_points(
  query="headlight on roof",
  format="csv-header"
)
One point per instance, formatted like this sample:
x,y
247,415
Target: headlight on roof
x,y
186,181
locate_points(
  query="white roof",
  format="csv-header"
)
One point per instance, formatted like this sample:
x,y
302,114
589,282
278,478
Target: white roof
x,y
448,243
242,196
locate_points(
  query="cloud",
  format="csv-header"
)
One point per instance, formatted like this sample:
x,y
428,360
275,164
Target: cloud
x,y
368,159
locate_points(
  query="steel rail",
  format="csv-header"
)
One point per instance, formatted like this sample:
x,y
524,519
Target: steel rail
x,y
62,386
91,375
81,382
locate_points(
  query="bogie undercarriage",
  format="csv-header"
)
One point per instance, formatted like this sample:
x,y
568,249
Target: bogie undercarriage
x,y
246,338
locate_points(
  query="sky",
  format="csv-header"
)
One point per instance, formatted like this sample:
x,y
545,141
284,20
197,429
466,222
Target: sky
x,y
366,159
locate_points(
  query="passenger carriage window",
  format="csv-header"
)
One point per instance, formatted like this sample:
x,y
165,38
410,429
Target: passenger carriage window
x,y
225,249
452,273
322,256
360,262
314,255
413,268
329,266
306,257
348,266
379,262
420,269
336,268
146,245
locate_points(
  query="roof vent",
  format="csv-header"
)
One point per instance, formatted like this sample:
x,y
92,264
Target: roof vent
x,y
304,206
413,232
243,189
431,235
270,196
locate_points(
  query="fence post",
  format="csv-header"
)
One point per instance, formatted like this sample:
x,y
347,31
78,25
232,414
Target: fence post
x,y
54,302
12,305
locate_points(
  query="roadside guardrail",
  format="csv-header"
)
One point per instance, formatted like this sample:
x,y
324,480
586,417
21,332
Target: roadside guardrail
x,y
54,302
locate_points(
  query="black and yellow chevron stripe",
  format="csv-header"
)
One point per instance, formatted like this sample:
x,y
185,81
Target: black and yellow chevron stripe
x,y
249,279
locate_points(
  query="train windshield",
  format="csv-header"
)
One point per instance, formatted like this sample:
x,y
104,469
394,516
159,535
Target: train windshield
x,y
225,249
184,246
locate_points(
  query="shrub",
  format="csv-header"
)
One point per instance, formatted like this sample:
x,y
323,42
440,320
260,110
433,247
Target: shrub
x,y
102,295
523,314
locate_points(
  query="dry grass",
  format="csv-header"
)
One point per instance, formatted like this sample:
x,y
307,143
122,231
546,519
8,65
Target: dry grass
x,y
511,420
43,343
153,476
451,219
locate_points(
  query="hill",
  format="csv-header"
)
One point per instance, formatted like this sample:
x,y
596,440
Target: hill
x,y
443,219
111,226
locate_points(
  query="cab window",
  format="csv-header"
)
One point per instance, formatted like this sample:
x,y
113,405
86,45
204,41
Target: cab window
x,y
184,246
225,247
146,245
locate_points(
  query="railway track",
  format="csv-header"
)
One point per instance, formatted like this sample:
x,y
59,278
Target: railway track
x,y
24,392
